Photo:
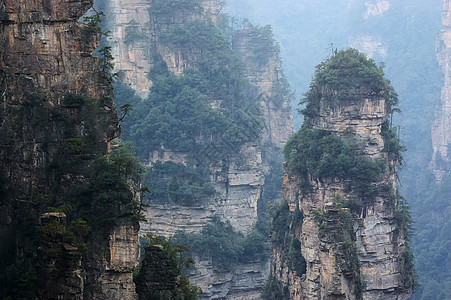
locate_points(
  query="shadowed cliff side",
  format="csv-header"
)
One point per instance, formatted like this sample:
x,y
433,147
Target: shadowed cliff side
x,y
69,212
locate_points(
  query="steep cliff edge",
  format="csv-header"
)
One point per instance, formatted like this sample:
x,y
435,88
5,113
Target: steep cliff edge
x,y
341,232
57,121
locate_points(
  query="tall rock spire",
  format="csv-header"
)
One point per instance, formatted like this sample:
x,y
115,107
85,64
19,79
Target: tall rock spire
x,y
338,234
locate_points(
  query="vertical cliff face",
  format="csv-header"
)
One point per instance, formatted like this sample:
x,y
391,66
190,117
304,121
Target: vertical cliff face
x,y
441,137
133,36
163,37
130,56
56,122
263,70
244,180
339,236
239,189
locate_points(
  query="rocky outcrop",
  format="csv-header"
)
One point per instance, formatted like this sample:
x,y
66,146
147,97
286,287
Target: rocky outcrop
x,y
245,282
48,77
328,249
238,193
441,137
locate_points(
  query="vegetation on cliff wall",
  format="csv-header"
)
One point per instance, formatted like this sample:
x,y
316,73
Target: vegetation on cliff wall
x,y
345,77
409,53
163,8
199,117
159,275
226,247
178,184
180,114
284,225
205,114
77,189
87,192
316,155
275,290
337,227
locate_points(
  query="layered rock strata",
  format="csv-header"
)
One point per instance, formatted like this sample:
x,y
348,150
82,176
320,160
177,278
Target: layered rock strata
x,y
46,59
340,262
240,188
132,38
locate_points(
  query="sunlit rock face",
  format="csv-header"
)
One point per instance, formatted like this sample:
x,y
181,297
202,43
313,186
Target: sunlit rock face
x,y
47,54
441,134
130,57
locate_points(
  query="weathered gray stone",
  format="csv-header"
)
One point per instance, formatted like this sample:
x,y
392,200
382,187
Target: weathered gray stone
x,y
377,235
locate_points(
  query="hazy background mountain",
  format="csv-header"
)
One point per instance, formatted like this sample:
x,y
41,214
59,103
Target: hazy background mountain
x,y
403,35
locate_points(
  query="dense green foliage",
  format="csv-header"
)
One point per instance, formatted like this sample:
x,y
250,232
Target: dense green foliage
x,y
160,271
205,114
431,242
296,259
178,115
346,76
283,238
392,144
179,184
321,154
272,188
167,7
281,224
208,110
107,196
197,34
225,246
